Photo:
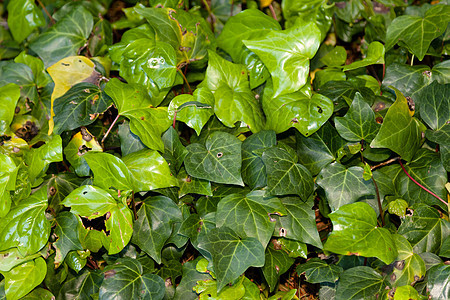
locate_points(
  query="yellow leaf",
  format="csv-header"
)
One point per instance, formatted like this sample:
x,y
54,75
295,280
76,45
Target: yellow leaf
x,y
265,3
66,73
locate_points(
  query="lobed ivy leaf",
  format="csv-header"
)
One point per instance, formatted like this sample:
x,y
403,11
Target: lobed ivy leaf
x,y
434,105
410,265
374,55
192,185
439,283
154,225
129,142
277,262
189,279
81,287
23,76
174,151
250,215
417,32
219,160
360,283
356,232
336,90
65,38
358,123
67,236
231,255
286,54
318,271
125,280
285,176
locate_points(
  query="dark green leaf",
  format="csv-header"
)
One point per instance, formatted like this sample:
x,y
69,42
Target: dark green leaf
x,y
434,104
445,249
65,37
360,283
336,90
356,233
439,282
154,225
174,151
219,160
39,294
79,106
409,80
23,76
318,271
192,185
189,280
129,142
277,262
81,287
67,236
231,255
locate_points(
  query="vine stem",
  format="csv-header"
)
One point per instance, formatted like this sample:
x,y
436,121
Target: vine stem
x,y
133,205
110,127
272,11
421,186
185,80
379,200
46,12
384,163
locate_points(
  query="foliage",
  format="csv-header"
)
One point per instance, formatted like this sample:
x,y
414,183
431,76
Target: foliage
x,y
169,149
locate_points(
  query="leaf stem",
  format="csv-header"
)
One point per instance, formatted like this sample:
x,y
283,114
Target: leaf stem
x,y
379,201
272,11
110,127
185,80
412,60
421,186
46,12
133,205
174,118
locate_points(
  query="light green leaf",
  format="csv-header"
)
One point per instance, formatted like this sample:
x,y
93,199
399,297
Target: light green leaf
x,y
67,236
89,201
336,57
219,160
356,233
109,171
249,215
247,25
149,170
286,54
398,207
374,55
124,280
154,225
23,18
127,97
81,287
343,186
434,105
24,278
318,271
25,226
234,101
8,175
400,132
10,94
277,262
358,123
194,110
406,292
64,38
285,176
417,32
11,258
39,294
120,228
299,223
425,230
360,283
231,255
79,106
410,266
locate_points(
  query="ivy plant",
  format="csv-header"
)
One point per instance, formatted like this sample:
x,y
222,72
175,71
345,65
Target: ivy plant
x,y
271,149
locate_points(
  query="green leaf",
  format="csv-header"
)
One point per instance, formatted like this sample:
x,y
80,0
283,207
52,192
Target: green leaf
x,y
24,278
441,72
343,186
249,215
11,258
67,236
7,183
285,176
358,123
194,110
39,294
23,76
174,151
129,142
195,226
417,32
299,223
406,292
441,137
75,261
127,97
120,227
23,18
277,262
360,283
82,286
398,207
336,57
374,55
149,170
445,249
336,90
64,38
410,266
356,233
124,280
318,271
306,112
25,226
439,282
109,171
410,80
231,255
425,230
219,160
10,94
79,106
400,132
286,54
253,168
154,225
234,100
247,25
192,185
427,169
189,279
434,105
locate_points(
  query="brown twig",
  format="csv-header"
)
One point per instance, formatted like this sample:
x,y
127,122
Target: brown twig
x,y
185,80
421,186
46,12
384,163
110,127
272,11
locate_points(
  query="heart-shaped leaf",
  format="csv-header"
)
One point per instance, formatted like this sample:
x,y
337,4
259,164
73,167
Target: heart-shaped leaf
x,y
83,286
360,283
23,17
10,94
374,55
411,265
439,280
67,236
318,271
277,262
434,105
219,160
